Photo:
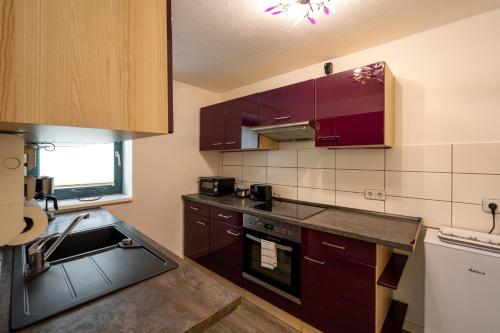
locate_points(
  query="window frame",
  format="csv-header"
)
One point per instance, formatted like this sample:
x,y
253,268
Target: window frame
x,y
80,192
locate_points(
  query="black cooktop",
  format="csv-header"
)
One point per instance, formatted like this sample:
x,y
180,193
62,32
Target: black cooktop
x,y
288,209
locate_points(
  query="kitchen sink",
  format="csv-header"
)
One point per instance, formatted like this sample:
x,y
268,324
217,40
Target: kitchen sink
x,y
87,265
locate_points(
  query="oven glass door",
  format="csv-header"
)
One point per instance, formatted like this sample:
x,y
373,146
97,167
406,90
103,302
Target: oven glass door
x,y
286,276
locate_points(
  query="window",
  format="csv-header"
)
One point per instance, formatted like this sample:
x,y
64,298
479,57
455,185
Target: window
x,y
82,171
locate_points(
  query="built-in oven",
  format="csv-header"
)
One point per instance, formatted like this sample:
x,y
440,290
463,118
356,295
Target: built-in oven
x,y
284,278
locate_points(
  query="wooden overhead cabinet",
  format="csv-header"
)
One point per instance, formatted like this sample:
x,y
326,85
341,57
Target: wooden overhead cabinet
x,y
85,70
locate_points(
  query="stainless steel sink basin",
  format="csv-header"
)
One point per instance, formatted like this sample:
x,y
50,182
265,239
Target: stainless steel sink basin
x,y
87,265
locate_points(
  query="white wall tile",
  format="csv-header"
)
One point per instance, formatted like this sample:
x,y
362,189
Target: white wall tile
x,y
472,217
472,188
282,158
297,144
282,176
233,171
362,159
423,185
316,195
434,213
476,158
232,158
254,174
287,192
357,200
316,158
255,158
316,178
358,180
434,158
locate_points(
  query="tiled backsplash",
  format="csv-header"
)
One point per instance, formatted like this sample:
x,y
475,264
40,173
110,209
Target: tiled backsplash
x,y
443,184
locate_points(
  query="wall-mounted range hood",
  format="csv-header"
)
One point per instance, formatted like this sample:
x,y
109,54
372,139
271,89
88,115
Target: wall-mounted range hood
x,y
286,132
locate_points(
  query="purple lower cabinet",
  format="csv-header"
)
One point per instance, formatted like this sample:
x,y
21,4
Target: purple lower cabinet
x,y
226,251
273,298
197,238
338,295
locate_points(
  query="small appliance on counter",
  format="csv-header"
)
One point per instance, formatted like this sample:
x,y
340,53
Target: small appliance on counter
x,y
261,192
44,190
216,186
241,192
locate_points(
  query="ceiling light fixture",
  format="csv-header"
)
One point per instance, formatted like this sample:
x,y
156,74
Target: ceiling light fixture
x,y
303,9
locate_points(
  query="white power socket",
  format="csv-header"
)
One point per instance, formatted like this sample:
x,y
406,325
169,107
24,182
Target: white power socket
x,y
486,202
371,194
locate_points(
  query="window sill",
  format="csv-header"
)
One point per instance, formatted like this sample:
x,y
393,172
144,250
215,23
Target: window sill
x,y
73,204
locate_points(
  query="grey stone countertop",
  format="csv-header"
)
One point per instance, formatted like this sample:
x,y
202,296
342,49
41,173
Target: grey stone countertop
x,y
400,232
182,300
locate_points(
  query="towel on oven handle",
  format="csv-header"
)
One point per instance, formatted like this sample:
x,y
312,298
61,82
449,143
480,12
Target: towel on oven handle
x,y
268,254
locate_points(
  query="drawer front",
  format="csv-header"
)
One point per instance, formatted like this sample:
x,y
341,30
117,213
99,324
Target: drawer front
x,y
226,251
197,238
197,208
336,278
226,216
343,247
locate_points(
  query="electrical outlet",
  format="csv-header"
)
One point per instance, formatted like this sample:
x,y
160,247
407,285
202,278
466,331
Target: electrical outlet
x,y
486,202
375,194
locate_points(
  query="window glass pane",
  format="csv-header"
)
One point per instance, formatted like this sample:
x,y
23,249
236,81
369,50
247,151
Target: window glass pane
x,y
79,165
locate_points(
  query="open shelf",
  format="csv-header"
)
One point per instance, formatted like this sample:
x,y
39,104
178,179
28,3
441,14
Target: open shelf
x,y
395,318
393,270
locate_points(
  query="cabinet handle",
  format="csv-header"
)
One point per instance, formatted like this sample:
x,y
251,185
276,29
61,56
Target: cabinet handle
x,y
334,246
216,143
328,138
314,260
202,223
193,208
231,143
225,216
233,233
282,118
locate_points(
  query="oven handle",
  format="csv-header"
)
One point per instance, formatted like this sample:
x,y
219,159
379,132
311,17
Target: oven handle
x,y
278,246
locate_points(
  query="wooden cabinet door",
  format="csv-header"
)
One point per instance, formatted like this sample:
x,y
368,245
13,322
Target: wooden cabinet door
x,y
99,64
226,250
338,295
350,111
241,115
289,104
197,238
213,127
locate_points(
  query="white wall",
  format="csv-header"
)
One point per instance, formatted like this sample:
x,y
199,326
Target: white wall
x,y
447,96
447,81
165,167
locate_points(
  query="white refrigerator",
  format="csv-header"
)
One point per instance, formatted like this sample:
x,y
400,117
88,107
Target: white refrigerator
x,y
462,288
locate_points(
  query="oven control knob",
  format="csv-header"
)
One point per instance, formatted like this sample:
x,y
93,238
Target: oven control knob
x,y
283,231
289,232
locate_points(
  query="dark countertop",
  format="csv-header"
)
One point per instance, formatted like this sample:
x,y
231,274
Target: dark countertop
x,y
395,231
182,300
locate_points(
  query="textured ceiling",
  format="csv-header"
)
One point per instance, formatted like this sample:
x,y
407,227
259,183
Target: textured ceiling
x,y
224,44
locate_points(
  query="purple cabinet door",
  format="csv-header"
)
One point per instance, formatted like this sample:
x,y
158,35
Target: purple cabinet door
x,y
338,295
197,238
241,115
350,109
289,104
213,127
226,251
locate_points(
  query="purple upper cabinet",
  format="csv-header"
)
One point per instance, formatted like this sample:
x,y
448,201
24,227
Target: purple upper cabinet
x,y
241,115
354,108
289,104
213,127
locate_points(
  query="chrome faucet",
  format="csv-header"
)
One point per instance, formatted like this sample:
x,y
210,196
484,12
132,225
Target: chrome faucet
x,y
37,257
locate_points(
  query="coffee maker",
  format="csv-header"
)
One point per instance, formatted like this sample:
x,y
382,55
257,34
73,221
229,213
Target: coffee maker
x,y
44,190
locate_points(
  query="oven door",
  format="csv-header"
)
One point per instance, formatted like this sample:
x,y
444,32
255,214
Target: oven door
x,y
285,278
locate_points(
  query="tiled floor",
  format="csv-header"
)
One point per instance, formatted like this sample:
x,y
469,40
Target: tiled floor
x,y
248,318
